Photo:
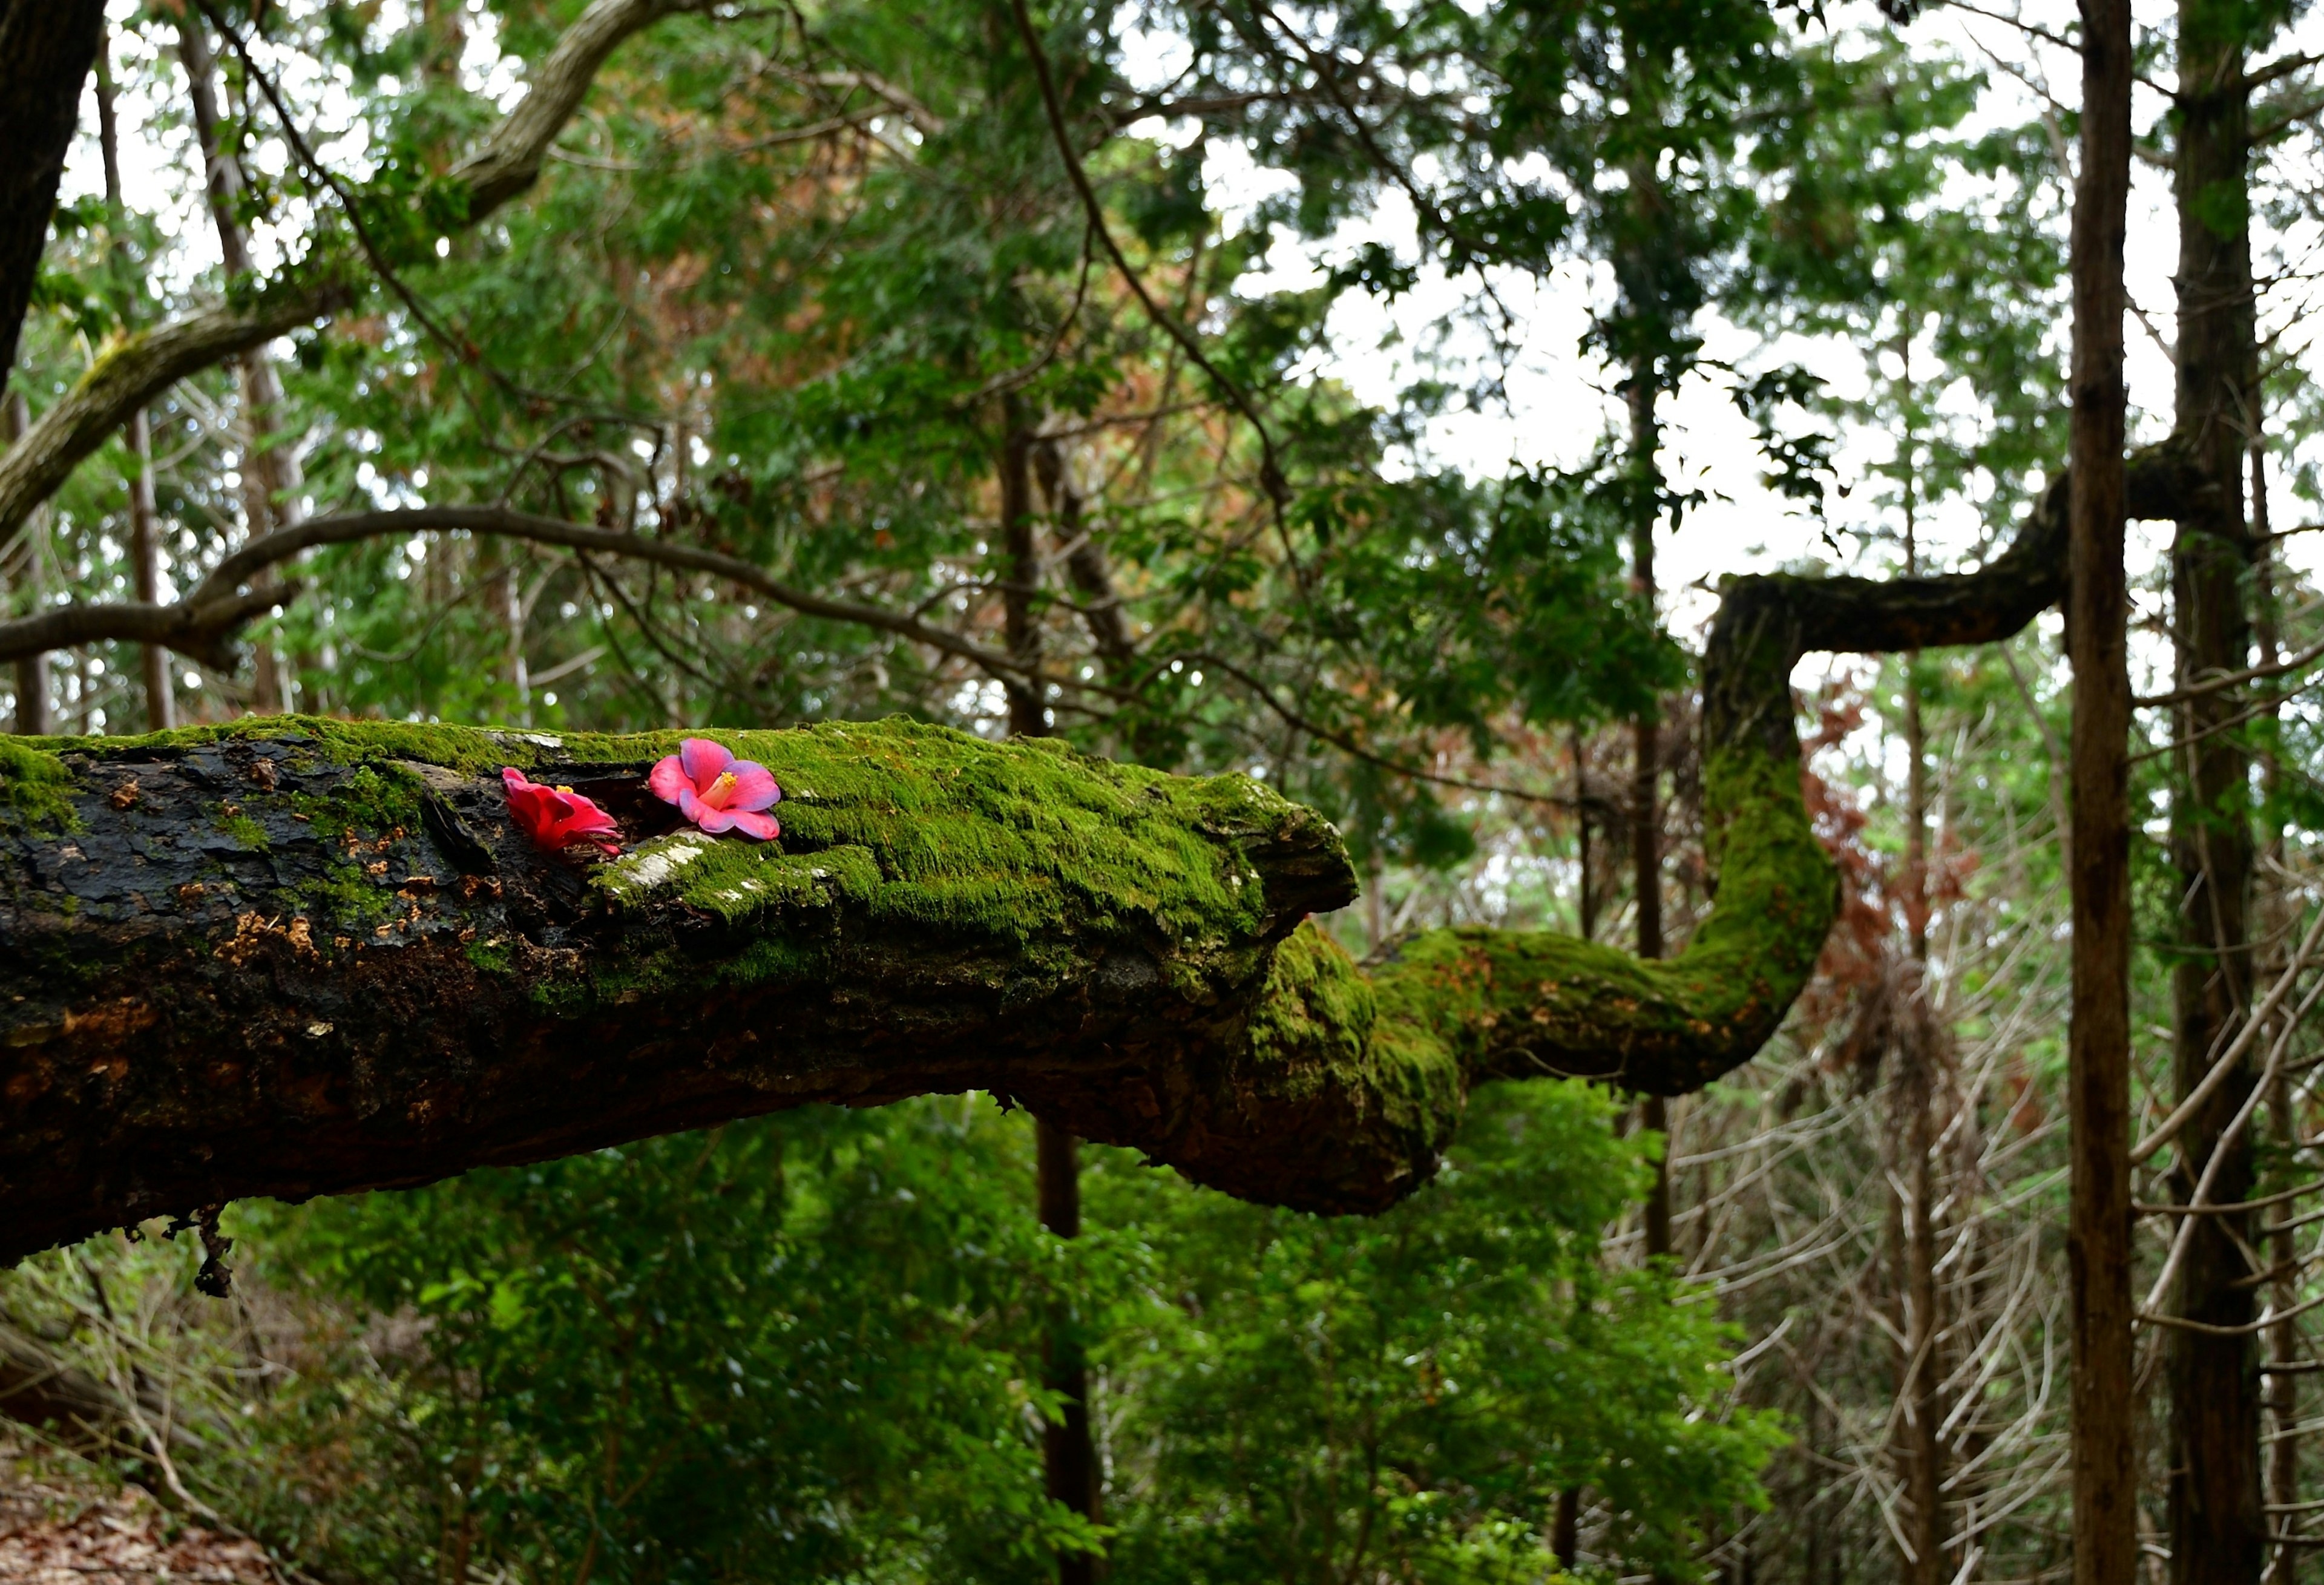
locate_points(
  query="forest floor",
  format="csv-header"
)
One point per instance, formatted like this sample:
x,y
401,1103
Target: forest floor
x,y
57,1529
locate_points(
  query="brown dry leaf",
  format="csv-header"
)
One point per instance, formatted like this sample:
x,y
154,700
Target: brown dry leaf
x,y
54,1533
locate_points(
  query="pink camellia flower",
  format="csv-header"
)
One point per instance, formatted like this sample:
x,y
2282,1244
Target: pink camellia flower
x,y
717,791
555,817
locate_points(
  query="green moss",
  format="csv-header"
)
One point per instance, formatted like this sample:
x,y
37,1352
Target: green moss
x,y
34,787
345,896
1321,1023
1517,1003
738,878
376,798
468,749
230,819
494,957
1007,840
1318,1008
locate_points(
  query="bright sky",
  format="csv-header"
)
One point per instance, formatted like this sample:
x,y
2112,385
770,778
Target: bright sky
x,y
1561,400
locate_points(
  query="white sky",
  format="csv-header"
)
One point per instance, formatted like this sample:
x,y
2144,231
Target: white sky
x,y
1561,400
1564,399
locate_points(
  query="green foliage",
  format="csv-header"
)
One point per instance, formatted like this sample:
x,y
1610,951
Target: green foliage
x,y
807,1348
1406,1395
788,1349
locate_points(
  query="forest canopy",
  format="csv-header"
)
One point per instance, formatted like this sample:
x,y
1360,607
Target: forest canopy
x,y
1170,497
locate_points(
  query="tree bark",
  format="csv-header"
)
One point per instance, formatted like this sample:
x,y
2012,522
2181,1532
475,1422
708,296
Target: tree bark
x,y
303,956
144,546
1069,1458
1069,1453
2217,1522
1920,1383
46,49
2099,1234
1646,767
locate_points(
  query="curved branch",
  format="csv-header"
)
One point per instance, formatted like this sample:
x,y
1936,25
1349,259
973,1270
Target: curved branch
x,y
245,564
509,160
132,372
205,622
300,956
136,372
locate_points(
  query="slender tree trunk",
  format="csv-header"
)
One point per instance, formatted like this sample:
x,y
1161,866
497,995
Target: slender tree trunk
x,y
1069,1455
2218,1526
1585,898
1645,792
144,547
271,476
2104,1424
1565,1530
145,568
1920,1386
2280,1390
33,715
1070,1452
1918,1098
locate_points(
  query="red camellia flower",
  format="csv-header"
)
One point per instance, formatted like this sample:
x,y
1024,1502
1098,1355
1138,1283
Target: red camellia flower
x,y
717,791
556,816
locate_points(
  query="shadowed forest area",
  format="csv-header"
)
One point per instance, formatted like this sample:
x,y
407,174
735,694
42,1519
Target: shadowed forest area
x,y
1112,1173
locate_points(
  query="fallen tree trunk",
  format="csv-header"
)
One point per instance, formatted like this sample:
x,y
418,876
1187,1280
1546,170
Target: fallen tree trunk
x,y
291,957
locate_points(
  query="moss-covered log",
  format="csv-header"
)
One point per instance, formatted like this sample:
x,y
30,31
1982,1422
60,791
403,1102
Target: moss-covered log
x,y
293,957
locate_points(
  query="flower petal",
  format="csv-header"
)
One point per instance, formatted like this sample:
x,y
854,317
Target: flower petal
x,y
704,761
512,778
582,813
752,824
665,779
692,807
754,786
715,820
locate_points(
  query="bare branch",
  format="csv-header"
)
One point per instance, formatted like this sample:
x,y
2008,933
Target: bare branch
x,y
207,618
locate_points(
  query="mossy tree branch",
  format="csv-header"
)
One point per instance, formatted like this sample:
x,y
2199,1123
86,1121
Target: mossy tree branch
x,y
293,957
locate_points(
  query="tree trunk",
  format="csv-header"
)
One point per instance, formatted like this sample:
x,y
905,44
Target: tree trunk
x,y
1646,784
33,715
270,478
2281,1486
2217,1525
1069,1452
1068,1455
1565,1530
2099,1234
46,47
1920,1382
144,546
